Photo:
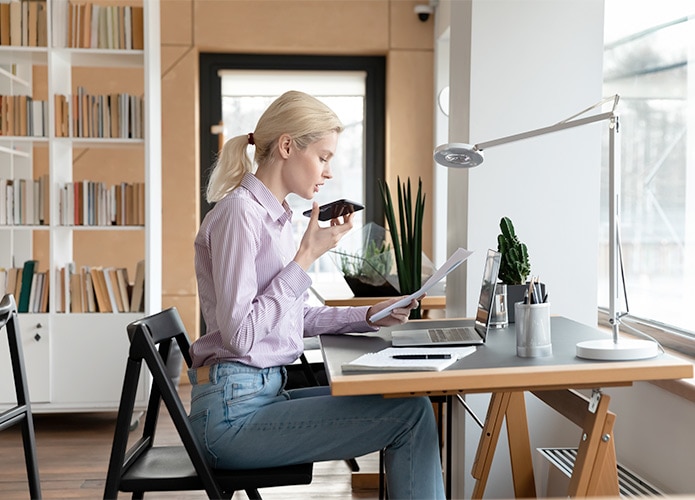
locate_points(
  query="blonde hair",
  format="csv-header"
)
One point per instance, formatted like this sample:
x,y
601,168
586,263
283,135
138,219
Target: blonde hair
x,y
303,117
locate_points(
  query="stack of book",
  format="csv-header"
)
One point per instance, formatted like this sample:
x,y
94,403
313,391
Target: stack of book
x,y
28,285
100,289
24,201
24,23
90,203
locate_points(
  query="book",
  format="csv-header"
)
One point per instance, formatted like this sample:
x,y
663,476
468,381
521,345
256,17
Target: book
x,y
122,280
101,290
138,294
137,28
4,24
384,360
88,302
25,290
45,284
15,23
113,289
76,293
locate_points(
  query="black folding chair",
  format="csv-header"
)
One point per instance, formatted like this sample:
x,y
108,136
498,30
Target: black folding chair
x,y
21,413
146,467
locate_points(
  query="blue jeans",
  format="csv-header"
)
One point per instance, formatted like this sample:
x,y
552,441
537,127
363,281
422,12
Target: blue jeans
x,y
244,418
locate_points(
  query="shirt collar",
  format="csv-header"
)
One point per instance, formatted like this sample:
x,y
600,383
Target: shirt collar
x,y
277,211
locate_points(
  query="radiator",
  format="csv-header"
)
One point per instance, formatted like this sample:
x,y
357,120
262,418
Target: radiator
x,y
557,469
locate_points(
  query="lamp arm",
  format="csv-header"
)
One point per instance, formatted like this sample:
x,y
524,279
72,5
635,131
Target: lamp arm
x,y
546,130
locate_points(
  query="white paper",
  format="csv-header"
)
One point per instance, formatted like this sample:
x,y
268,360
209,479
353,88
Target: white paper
x,y
383,360
456,259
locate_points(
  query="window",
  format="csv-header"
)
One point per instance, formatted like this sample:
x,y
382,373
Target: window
x,y
647,48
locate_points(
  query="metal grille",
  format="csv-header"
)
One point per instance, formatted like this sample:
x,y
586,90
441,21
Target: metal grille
x,y
629,483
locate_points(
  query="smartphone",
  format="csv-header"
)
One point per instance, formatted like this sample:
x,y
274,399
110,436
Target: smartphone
x,y
336,209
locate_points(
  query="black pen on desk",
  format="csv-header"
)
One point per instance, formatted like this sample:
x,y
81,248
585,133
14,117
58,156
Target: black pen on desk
x,y
421,356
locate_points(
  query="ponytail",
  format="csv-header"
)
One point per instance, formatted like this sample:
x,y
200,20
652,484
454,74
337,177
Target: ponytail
x,y
231,165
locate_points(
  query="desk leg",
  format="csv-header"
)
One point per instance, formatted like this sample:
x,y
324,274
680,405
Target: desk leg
x,y
511,405
520,448
488,441
595,469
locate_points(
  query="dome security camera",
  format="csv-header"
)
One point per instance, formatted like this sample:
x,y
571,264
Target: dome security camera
x,y
423,12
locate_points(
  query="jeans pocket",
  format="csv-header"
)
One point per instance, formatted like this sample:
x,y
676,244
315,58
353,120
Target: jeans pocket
x,y
240,391
199,423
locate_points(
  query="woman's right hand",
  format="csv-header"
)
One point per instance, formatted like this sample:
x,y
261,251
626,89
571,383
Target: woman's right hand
x,y
318,240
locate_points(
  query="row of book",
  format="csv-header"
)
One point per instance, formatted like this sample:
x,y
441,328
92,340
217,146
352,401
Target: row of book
x,y
99,116
98,26
92,289
21,115
90,203
24,23
28,285
100,289
24,201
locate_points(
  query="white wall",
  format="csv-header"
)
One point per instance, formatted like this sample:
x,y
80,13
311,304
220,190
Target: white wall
x,y
516,65
522,74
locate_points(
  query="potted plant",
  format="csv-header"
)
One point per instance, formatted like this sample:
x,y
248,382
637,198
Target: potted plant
x,y
406,235
515,266
367,264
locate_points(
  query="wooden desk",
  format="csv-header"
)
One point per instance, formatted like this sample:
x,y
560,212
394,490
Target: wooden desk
x,y
338,293
496,368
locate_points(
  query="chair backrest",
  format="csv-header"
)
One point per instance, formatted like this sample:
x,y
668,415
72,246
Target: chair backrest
x,y
21,413
151,340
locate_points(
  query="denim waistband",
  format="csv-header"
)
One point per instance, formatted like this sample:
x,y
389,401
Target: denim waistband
x,y
213,373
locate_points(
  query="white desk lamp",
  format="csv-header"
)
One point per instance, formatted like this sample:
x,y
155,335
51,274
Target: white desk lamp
x,y
458,155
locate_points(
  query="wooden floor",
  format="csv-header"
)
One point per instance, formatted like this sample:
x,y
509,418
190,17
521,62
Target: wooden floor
x,y
73,453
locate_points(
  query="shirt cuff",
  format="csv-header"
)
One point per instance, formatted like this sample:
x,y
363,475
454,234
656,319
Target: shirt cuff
x,y
296,278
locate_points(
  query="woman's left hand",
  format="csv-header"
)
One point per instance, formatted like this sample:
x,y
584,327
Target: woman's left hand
x,y
397,317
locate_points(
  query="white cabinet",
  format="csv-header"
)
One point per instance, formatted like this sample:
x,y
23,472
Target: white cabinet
x,y
76,361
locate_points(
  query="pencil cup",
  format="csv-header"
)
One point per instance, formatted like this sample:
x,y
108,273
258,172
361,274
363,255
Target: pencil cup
x,y
532,330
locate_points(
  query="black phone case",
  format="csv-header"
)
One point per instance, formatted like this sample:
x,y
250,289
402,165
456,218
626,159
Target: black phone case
x,y
336,209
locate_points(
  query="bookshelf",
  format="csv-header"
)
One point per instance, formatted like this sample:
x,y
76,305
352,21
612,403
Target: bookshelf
x,y
88,147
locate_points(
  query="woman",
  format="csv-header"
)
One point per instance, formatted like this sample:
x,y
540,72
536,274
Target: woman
x,y
253,288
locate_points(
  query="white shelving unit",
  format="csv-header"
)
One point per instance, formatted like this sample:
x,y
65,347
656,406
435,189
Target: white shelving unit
x,y
76,361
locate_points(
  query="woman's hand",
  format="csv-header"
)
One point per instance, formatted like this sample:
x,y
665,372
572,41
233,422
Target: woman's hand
x,y
397,317
318,240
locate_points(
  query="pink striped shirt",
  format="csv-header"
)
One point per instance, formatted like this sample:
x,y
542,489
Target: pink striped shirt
x,y
252,294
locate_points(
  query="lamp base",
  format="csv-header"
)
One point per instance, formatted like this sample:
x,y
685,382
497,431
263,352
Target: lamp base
x,y
623,350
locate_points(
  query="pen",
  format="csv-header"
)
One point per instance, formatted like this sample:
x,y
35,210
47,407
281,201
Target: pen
x,y
421,356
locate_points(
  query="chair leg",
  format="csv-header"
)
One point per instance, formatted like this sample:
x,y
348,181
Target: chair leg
x,y
352,463
383,494
30,458
253,494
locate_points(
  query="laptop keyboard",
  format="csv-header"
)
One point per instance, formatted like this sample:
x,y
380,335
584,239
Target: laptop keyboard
x,y
455,334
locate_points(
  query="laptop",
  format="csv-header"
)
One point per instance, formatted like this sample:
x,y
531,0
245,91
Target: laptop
x,y
459,335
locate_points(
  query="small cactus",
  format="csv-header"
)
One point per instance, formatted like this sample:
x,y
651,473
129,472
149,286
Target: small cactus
x,y
514,265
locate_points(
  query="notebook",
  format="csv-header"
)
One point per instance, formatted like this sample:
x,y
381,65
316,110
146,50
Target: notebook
x,y
459,335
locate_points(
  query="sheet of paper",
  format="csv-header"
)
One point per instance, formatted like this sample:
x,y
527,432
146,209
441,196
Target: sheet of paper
x,y
383,360
456,259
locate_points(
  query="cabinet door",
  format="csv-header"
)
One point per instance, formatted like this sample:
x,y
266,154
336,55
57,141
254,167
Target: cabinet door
x,y
36,348
89,355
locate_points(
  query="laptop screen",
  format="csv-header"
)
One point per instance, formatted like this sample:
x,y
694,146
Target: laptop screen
x,y
487,291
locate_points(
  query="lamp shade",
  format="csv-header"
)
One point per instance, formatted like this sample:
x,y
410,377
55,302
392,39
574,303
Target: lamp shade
x,y
458,155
